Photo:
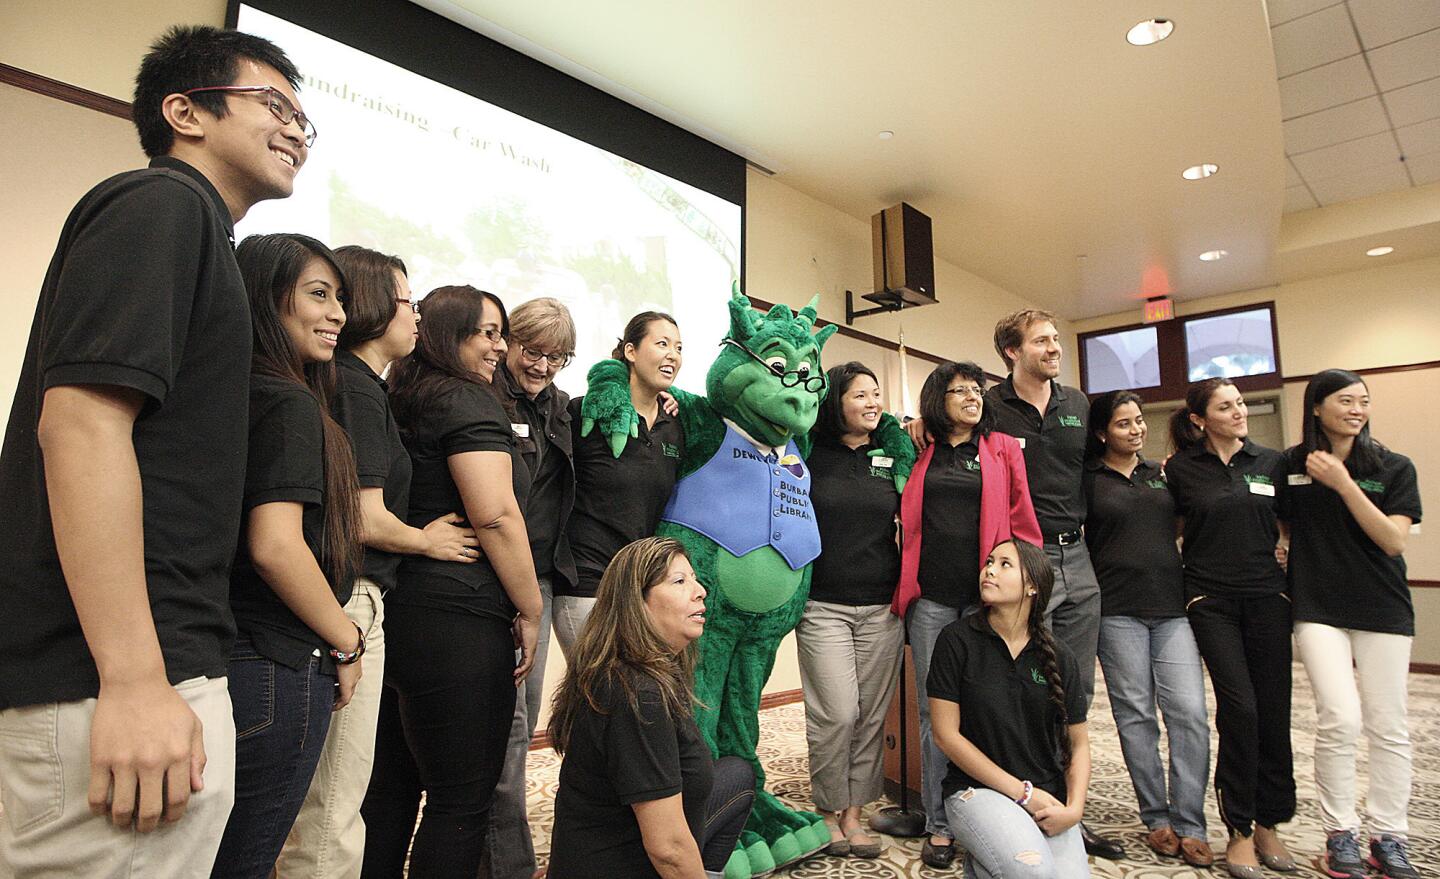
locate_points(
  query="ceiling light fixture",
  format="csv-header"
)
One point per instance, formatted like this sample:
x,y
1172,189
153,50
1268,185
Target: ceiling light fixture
x,y
886,134
1212,255
1149,32
1200,172
1384,250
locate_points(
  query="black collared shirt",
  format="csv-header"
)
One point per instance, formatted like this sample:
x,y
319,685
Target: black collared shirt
x,y
1229,511
286,464
855,508
1130,532
362,407
543,438
1005,707
1054,447
143,293
950,526
1338,575
618,500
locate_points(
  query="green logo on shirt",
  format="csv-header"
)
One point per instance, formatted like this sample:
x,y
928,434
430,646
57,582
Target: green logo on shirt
x,y
1371,485
670,450
1257,479
1037,677
1070,421
970,463
1155,483
881,474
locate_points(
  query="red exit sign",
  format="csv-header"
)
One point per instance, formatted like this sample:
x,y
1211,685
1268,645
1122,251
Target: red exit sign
x,y
1157,310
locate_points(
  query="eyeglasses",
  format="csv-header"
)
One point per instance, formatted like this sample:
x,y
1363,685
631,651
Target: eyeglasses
x,y
494,336
414,306
812,383
967,391
275,99
534,355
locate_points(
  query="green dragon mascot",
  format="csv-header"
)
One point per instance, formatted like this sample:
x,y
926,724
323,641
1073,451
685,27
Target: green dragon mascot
x,y
742,509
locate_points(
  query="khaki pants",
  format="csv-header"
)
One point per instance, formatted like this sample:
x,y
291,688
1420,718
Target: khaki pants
x,y
328,839
47,830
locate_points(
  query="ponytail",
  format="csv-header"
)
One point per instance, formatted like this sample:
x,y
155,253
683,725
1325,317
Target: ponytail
x,y
1184,434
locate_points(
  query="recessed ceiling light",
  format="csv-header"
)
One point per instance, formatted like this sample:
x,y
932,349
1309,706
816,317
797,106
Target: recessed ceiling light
x,y
1380,251
1200,172
1212,255
886,134
1150,31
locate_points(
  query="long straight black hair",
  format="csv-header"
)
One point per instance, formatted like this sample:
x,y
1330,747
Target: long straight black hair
x,y
1037,573
271,266
1364,459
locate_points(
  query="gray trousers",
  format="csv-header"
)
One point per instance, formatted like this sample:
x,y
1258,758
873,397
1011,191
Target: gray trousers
x,y
509,848
1074,609
849,659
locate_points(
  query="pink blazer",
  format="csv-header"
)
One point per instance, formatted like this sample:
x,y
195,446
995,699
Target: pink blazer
x,y
1005,509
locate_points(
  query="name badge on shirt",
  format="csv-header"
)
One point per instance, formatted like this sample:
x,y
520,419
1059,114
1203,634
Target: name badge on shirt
x,y
521,430
882,462
1021,441
1262,488
1300,479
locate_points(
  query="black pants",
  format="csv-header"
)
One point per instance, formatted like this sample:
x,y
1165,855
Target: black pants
x,y
1246,646
444,721
726,811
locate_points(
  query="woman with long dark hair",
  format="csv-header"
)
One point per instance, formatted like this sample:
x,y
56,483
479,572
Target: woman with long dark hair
x,y
1349,502
297,656
968,492
1225,487
1008,711
451,627
1147,650
848,642
620,499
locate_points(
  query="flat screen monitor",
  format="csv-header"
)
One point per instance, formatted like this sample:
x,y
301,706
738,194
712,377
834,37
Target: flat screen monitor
x,y
1128,359
1230,345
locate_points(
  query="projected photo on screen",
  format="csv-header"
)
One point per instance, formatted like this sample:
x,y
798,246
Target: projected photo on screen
x,y
1230,345
1125,360
466,192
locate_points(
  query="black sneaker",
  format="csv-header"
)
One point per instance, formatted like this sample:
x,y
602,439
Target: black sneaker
x,y
1387,854
1342,856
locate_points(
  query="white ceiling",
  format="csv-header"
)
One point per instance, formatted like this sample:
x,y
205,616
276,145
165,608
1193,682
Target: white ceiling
x,y
1032,133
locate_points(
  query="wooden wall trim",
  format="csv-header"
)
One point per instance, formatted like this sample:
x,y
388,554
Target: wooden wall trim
x,y
1425,584
63,91
1375,370
769,700
1424,668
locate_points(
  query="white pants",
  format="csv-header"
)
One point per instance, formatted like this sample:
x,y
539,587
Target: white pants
x,y
47,830
327,840
1343,710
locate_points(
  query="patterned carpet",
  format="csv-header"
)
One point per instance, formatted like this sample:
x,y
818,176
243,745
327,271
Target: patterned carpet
x,y
1111,808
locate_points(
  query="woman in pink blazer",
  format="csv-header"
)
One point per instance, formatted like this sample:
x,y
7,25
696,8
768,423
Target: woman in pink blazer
x,y
966,494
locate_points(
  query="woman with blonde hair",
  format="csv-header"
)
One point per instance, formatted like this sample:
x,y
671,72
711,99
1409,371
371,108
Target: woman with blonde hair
x,y
640,795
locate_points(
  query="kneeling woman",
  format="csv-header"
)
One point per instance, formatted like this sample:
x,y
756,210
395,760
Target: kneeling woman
x,y
1007,709
639,794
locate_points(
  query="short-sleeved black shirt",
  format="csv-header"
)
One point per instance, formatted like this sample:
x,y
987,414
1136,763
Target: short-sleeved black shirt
x,y
1054,447
544,442
1338,576
950,526
1230,528
142,293
855,508
1005,707
618,500
362,407
1130,531
466,417
619,757
286,464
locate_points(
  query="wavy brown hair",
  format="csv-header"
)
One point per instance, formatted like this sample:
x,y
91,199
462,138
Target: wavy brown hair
x,y
449,316
618,642
1036,573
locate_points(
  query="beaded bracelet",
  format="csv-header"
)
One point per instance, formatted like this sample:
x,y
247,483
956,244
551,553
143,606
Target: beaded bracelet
x,y
343,658
1024,799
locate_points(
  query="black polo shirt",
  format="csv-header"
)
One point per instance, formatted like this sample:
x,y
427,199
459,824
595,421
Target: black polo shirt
x,y
1338,576
950,526
619,756
1054,447
543,438
1130,532
1005,707
1229,511
143,293
465,417
286,464
855,508
362,407
618,500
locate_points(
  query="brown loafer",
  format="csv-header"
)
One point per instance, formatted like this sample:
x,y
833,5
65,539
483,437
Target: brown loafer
x,y
1163,841
1196,852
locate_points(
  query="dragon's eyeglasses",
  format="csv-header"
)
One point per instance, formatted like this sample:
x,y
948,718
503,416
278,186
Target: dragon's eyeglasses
x,y
788,378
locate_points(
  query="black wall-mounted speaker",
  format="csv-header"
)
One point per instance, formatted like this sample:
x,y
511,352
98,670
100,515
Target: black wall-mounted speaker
x,y
904,256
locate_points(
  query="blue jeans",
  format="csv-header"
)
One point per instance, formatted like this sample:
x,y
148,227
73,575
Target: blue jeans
x,y
281,718
1150,661
1002,841
923,622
